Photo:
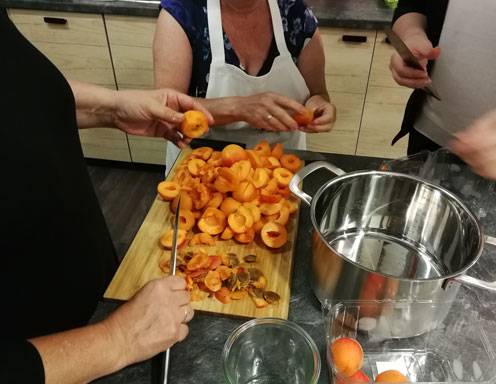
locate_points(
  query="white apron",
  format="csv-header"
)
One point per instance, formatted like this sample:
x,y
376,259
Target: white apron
x,y
226,80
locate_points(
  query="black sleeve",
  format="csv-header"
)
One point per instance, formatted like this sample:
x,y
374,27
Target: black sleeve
x,y
20,363
409,6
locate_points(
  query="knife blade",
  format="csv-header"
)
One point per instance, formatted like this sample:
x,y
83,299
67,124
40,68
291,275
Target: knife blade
x,y
172,272
409,58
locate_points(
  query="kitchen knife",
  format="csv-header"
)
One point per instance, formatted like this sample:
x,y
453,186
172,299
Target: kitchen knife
x,y
409,58
172,272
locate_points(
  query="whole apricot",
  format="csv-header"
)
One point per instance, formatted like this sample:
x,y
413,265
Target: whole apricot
x,y
347,356
358,377
305,118
391,376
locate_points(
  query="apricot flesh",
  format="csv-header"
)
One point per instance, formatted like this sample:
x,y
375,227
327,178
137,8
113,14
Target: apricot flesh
x,y
194,124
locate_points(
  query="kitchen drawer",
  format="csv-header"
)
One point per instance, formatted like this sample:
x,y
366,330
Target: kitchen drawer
x,y
347,63
104,143
148,150
343,137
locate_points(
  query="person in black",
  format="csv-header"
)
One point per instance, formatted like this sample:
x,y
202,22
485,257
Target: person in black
x,y
57,256
465,119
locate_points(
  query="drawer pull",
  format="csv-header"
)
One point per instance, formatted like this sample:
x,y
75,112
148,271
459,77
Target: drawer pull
x,y
354,39
55,20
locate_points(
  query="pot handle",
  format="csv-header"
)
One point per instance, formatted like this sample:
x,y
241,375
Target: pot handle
x,y
298,177
472,281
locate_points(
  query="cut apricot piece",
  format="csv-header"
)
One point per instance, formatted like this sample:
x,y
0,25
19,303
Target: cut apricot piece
x,y
198,261
238,295
277,150
227,234
254,158
273,163
186,219
203,153
274,235
258,225
194,124
195,166
226,181
223,295
245,237
254,210
229,205
233,153
291,162
292,205
257,297
166,239
224,272
186,202
215,262
213,281
260,177
245,191
200,196
283,216
168,190
241,220
271,186
216,200
263,148
213,221
242,169
303,118
202,238
270,209
282,176
215,159
269,197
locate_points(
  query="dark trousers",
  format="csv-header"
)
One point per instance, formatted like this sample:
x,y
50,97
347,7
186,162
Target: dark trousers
x,y
418,142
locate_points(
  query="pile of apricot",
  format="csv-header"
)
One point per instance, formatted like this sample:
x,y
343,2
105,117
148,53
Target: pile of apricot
x,y
232,194
347,358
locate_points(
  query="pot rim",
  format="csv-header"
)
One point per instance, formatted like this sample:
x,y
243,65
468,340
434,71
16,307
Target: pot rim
x,y
445,192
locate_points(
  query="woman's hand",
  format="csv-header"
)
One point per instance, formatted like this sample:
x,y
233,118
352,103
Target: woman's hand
x,y
152,321
324,115
268,111
154,113
422,49
477,146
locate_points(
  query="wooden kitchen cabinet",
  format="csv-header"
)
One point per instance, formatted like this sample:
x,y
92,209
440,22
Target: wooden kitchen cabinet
x,y
384,107
347,72
130,40
77,45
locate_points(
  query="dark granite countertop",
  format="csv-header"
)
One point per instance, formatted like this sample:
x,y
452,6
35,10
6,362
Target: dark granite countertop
x,y
198,358
365,14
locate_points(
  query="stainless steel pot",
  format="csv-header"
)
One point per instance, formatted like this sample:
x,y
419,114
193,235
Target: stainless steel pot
x,y
384,235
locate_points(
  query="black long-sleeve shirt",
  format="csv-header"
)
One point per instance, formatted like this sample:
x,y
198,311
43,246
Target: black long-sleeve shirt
x,y
56,253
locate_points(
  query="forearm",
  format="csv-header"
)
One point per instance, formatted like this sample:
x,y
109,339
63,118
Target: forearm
x,y
224,110
95,105
410,24
79,355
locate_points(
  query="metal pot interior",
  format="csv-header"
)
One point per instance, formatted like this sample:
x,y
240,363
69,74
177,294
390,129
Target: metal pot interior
x,y
397,225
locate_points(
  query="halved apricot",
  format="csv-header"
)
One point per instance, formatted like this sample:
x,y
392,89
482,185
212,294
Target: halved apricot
x,y
224,272
270,209
274,235
282,176
223,295
233,153
215,200
258,225
254,158
260,177
186,202
186,219
200,196
226,181
215,262
202,238
292,205
229,205
241,220
227,234
208,175
269,197
277,150
166,239
213,221
242,169
168,190
272,162
245,237
304,118
271,186
291,162
254,210
245,191
215,159
239,295
195,165
194,124
213,281
198,261
283,216
263,148
203,153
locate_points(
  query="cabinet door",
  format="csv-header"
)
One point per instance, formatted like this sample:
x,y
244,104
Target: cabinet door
x,y
77,45
384,107
130,40
347,72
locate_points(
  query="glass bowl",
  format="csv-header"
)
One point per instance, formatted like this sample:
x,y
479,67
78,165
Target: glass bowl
x,y
270,350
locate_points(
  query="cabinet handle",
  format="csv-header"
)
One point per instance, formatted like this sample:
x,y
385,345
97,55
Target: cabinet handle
x,y
354,39
55,20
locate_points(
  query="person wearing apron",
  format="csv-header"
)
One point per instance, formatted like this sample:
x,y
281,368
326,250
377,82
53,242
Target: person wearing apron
x,y
228,83
460,70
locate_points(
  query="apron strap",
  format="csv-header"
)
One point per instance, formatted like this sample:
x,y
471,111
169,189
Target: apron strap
x,y
215,31
277,28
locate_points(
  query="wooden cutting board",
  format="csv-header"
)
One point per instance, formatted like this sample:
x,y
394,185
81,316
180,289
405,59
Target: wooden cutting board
x,y
141,264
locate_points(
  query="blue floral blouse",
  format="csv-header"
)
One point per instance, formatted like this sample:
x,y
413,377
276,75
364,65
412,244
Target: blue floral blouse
x,y
299,24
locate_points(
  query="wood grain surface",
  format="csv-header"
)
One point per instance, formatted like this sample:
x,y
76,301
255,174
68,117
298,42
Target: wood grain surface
x,y
141,264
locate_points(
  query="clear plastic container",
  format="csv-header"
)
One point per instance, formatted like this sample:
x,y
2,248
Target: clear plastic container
x,y
456,350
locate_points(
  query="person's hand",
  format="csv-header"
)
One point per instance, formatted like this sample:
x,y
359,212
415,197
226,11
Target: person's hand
x,y
268,111
477,146
154,113
422,49
324,115
152,321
